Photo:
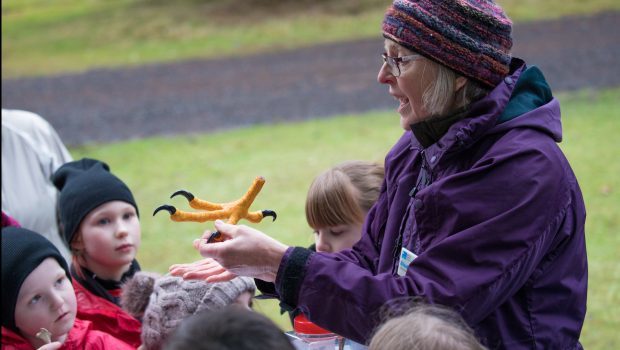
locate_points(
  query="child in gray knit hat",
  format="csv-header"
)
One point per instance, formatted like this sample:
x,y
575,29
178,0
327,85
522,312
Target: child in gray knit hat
x,y
173,299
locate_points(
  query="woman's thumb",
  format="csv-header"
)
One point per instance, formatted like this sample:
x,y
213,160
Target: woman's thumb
x,y
223,227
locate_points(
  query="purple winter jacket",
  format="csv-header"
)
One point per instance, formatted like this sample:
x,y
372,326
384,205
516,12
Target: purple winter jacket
x,y
498,227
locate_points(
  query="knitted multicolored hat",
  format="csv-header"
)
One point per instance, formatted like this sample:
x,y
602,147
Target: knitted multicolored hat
x,y
22,252
472,37
84,185
174,299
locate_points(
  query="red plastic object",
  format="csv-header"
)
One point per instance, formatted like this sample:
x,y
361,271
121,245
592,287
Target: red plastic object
x,y
303,326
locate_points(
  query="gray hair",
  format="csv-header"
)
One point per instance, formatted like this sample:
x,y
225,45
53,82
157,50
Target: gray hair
x,y
441,99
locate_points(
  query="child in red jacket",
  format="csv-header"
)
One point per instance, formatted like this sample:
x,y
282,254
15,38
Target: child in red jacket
x,y
38,303
99,222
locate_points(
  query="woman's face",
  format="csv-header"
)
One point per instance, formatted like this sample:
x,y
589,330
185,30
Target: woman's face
x,y
333,239
46,300
415,77
110,238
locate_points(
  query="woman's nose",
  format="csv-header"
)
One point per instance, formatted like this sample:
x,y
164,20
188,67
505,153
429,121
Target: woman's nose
x,y
385,75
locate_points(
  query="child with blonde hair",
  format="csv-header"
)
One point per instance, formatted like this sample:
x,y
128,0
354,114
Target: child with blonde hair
x,y
100,224
339,199
425,327
38,302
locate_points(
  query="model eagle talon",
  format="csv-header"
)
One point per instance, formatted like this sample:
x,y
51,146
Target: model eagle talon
x,y
190,197
166,207
232,211
270,213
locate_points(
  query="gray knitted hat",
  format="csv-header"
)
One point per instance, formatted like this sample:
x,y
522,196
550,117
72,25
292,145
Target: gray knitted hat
x,y
136,292
174,299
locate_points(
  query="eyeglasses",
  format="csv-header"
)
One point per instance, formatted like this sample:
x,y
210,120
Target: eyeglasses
x,y
394,62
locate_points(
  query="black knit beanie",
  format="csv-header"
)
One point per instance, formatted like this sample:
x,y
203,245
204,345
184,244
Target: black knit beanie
x,y
84,185
22,252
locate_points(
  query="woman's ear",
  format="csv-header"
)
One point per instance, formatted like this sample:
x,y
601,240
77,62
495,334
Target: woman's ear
x,y
459,83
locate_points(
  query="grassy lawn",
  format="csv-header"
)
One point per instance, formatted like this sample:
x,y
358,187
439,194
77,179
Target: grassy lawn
x,y
220,167
41,37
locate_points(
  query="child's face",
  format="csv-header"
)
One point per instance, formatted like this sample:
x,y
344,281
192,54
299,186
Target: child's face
x,y
333,239
110,237
46,300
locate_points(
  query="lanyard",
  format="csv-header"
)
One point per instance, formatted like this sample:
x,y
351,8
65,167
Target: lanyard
x,y
424,179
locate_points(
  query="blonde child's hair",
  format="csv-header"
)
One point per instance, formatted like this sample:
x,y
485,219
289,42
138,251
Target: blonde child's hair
x,y
425,327
343,194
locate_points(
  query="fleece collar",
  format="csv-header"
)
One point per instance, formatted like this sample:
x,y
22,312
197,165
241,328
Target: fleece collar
x,y
531,92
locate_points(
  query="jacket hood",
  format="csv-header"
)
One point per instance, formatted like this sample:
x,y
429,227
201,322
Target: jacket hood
x,y
532,93
522,100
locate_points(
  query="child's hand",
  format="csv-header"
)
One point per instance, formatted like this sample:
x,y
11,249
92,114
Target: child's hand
x,y
51,346
205,269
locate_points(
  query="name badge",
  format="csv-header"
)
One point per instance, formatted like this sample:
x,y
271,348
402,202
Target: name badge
x,y
406,257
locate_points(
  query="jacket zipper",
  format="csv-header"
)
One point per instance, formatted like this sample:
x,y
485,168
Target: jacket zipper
x,y
424,179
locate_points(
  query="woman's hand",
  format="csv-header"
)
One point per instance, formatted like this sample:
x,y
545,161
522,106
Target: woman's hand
x,y
245,251
205,269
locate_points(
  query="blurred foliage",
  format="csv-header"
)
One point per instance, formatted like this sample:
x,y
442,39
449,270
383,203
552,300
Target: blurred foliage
x,y
42,37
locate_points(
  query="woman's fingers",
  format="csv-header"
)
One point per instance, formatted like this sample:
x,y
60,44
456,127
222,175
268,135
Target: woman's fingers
x,y
224,228
216,236
244,252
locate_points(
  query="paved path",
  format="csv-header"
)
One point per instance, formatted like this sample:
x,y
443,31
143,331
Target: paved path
x,y
198,96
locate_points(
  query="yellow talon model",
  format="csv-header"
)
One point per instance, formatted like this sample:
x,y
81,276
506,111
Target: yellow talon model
x,y
232,211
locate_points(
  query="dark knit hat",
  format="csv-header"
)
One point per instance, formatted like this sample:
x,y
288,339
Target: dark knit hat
x,y
472,37
22,252
84,185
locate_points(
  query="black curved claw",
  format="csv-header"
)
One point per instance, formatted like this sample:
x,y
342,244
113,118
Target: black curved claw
x,y
270,213
189,196
167,208
215,237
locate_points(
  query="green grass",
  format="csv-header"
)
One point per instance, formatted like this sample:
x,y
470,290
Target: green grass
x,y
41,37
591,142
221,166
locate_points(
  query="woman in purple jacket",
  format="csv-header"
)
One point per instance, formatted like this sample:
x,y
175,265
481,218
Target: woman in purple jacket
x,y
479,209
